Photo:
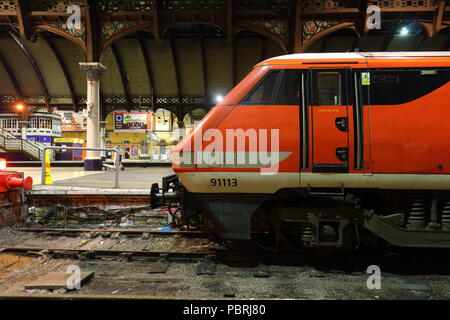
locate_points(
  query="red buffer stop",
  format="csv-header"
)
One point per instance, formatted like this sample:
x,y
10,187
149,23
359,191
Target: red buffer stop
x,y
13,181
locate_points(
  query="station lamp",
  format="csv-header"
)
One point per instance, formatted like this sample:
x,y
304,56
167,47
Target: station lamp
x,y
20,107
404,31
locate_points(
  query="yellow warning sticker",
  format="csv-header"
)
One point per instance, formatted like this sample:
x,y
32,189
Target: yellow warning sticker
x,y
365,78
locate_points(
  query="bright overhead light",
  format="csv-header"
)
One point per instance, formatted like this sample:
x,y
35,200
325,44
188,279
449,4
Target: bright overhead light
x,y
20,107
404,31
219,98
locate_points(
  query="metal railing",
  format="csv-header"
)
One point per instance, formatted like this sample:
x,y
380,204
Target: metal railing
x,y
116,160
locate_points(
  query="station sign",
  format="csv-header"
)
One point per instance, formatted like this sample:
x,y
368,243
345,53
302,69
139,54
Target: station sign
x,y
73,121
68,140
132,121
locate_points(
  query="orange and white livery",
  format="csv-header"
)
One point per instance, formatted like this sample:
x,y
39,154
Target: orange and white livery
x,y
370,125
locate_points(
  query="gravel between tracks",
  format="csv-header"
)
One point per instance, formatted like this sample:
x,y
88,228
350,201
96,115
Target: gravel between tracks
x,y
405,275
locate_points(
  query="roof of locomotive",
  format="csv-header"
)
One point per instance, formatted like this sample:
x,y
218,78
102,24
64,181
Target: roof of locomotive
x,y
354,57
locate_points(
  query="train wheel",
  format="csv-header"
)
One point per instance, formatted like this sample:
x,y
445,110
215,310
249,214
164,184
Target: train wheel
x,y
317,251
303,234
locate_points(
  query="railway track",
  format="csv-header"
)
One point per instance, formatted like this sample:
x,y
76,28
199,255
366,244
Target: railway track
x,y
132,270
93,254
246,253
85,245
232,273
209,259
244,256
109,231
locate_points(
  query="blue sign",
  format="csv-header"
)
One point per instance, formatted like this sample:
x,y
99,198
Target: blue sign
x,y
45,139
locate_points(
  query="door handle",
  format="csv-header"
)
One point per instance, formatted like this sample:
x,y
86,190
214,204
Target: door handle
x,y
342,154
342,124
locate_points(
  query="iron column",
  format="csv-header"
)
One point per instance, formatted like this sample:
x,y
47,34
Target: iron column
x,y
94,71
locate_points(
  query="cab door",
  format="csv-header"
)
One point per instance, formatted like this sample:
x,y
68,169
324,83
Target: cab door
x,y
328,111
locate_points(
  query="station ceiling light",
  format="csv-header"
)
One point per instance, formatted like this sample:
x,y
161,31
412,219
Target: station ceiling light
x,y
404,31
20,107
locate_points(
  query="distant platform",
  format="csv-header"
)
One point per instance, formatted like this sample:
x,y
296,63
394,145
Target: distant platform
x,y
80,163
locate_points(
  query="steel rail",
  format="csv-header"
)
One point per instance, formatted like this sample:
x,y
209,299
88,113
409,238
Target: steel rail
x,y
106,253
112,230
128,230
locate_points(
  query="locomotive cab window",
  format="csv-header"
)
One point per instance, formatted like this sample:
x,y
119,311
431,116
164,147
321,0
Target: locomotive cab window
x,y
289,92
328,88
264,91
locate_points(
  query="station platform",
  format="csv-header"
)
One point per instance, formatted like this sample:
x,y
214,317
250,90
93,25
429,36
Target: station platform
x,y
73,179
80,163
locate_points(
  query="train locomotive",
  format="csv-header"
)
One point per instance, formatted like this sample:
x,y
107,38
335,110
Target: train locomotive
x,y
330,150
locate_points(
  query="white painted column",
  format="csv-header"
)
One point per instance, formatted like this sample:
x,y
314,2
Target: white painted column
x,y
94,71
23,125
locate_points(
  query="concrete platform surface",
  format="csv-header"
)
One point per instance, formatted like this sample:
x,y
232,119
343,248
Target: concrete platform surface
x,y
130,178
66,190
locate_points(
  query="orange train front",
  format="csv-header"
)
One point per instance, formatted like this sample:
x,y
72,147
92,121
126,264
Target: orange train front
x,y
329,149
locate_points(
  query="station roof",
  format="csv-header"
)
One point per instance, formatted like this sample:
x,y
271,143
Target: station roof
x,y
182,55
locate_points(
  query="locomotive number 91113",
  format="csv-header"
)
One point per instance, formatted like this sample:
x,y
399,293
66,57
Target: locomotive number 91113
x,y
224,182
